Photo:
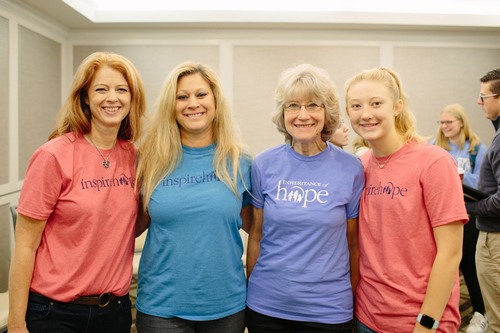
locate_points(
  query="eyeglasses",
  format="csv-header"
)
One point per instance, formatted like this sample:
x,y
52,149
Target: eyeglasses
x,y
485,97
295,107
445,122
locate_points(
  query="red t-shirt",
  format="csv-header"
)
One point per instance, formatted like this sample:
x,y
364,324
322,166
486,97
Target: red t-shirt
x,y
88,242
417,190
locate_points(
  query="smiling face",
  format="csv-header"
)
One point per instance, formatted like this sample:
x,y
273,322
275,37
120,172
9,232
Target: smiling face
x,y
195,108
372,112
108,98
305,125
450,126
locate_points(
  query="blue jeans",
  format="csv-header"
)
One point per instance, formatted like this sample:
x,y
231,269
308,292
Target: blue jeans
x,y
151,324
46,315
362,328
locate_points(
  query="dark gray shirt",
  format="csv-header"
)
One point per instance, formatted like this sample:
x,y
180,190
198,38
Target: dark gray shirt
x,y
487,210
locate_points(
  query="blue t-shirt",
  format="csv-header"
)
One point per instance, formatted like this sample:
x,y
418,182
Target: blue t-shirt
x,y
191,263
303,272
462,158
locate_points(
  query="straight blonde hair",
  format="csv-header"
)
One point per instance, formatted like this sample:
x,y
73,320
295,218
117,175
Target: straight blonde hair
x,y
466,133
161,150
405,121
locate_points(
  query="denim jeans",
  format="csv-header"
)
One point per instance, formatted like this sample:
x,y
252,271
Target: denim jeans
x,y
46,315
362,328
151,324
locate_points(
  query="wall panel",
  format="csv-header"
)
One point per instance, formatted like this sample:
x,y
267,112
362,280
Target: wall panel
x,y
154,62
39,91
4,100
437,76
256,71
5,246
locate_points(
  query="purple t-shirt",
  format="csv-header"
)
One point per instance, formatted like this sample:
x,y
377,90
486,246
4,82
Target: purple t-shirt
x,y
302,272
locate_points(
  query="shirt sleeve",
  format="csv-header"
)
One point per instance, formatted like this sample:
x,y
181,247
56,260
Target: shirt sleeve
x,y
358,185
41,187
257,199
443,194
490,206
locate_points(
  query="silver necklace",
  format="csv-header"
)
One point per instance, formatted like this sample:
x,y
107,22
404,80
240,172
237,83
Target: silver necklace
x,y
382,165
105,163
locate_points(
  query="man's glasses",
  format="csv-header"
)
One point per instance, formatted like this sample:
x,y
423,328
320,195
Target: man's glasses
x,y
295,107
445,122
485,97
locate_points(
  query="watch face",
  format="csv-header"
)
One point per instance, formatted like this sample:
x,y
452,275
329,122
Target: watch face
x,y
427,321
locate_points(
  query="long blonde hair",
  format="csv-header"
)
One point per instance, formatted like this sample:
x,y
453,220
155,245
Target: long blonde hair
x,y
405,121
75,115
161,150
466,133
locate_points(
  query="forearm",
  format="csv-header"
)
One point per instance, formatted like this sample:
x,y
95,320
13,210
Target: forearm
x,y
142,222
254,238
354,262
441,282
444,273
352,243
253,251
246,215
21,273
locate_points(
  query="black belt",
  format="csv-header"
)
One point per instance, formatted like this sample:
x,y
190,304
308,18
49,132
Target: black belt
x,y
102,300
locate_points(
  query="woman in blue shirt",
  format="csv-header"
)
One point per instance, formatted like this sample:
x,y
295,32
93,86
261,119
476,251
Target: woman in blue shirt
x,y
302,258
457,137
195,178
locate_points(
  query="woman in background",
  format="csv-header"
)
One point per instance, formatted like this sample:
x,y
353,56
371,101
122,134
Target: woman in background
x,y
194,176
340,137
72,262
457,137
411,215
302,258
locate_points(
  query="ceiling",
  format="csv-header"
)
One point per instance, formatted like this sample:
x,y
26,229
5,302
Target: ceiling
x,y
92,14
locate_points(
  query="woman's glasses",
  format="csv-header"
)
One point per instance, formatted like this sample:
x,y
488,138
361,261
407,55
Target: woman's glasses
x,y
445,122
295,107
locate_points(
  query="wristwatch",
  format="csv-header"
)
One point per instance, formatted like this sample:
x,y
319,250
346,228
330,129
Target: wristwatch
x,y
427,321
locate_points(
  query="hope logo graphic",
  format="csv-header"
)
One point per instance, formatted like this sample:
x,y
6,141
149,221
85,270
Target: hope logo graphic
x,y
389,189
302,193
98,184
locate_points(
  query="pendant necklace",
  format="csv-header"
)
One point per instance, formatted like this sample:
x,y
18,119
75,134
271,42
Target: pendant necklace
x,y
105,163
382,165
